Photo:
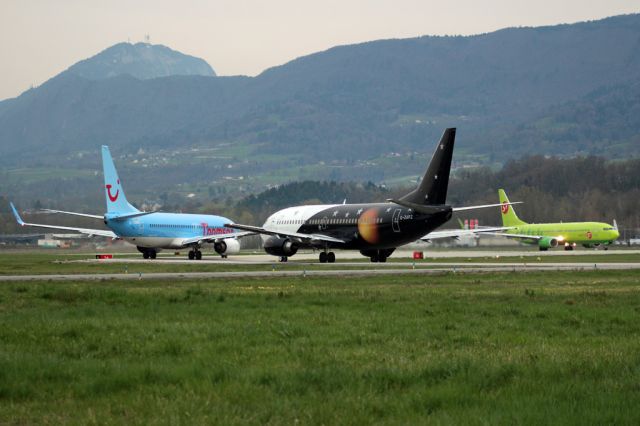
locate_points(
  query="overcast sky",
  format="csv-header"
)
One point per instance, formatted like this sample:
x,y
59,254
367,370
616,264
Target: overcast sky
x,y
40,38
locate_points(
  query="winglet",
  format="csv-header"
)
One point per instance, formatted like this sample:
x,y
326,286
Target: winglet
x,y
615,225
17,216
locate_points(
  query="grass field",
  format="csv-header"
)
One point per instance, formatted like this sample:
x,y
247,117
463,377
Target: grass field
x,y
553,347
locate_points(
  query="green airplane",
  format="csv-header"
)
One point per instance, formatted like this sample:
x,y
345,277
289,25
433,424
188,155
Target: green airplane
x,y
548,235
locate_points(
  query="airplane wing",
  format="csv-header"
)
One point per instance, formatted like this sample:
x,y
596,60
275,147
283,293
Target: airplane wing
x,y
483,206
95,216
214,238
456,233
100,232
522,236
429,209
294,235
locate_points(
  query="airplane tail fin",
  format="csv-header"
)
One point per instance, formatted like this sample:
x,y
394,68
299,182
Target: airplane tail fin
x,y
114,194
432,190
509,216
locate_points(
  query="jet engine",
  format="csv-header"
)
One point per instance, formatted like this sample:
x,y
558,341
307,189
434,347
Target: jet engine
x,y
547,242
280,247
227,247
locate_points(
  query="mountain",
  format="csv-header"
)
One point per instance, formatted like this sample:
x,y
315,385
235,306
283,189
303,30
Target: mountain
x,y
142,61
363,109
604,122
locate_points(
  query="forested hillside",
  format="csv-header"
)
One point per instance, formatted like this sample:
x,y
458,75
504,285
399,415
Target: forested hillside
x,y
546,90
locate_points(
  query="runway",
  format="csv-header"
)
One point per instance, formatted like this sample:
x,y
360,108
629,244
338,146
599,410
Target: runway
x,y
328,271
312,257
349,264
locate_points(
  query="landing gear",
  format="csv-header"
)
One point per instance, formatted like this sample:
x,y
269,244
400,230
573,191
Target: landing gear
x,y
568,247
195,254
147,253
377,255
327,257
379,258
284,259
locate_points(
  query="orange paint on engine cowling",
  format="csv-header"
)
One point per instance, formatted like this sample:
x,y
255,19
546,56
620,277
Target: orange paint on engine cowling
x,y
367,226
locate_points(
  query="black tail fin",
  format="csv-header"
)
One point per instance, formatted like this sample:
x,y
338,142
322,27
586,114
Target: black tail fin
x,y
432,189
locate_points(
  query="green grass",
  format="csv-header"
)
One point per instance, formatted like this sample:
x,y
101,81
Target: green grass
x,y
32,175
533,348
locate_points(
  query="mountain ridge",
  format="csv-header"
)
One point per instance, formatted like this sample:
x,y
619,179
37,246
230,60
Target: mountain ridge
x,y
140,60
346,103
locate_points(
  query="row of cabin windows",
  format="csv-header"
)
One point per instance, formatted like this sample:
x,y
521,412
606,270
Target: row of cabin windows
x,y
537,231
165,226
332,221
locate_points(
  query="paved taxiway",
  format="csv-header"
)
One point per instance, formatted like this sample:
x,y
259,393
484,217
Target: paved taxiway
x,y
298,269
301,265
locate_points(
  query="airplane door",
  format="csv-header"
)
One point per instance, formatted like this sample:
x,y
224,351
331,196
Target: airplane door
x,y
323,224
395,221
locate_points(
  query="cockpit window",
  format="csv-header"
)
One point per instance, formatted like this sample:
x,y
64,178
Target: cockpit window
x,y
608,229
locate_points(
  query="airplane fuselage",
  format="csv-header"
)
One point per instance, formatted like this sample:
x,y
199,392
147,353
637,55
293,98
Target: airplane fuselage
x,y
167,230
585,233
371,226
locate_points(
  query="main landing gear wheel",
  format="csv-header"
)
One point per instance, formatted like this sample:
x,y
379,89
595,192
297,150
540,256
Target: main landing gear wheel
x,y
327,257
568,247
195,254
283,258
379,258
149,254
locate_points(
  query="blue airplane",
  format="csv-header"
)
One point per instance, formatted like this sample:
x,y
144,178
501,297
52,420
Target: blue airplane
x,y
151,232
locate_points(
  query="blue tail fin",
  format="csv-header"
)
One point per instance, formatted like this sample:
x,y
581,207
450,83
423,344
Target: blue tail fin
x,y
114,194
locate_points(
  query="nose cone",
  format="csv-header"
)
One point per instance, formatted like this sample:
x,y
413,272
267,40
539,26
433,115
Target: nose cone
x,y
614,234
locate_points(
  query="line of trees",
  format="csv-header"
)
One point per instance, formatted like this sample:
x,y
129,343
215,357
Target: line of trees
x,y
552,189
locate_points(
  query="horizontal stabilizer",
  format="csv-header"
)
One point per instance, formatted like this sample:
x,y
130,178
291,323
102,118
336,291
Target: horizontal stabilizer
x,y
131,215
422,208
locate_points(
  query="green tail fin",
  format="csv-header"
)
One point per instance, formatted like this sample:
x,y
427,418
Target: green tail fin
x,y
509,216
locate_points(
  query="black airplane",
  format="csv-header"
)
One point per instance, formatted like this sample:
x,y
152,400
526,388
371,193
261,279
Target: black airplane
x,y
375,229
